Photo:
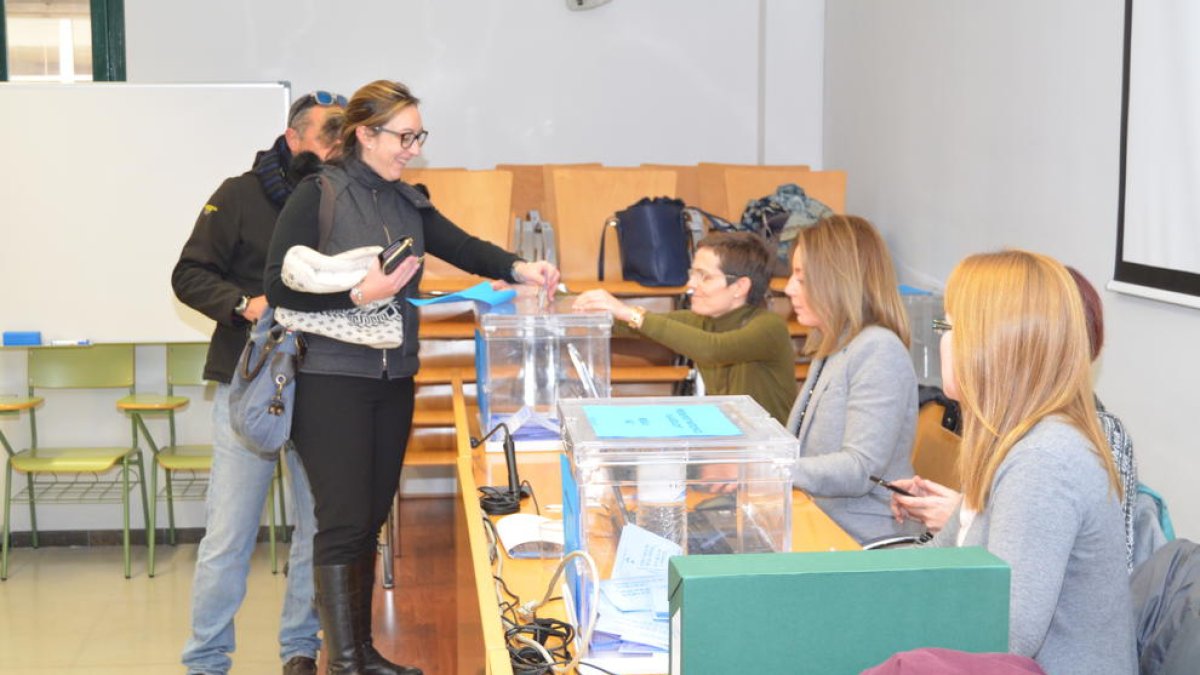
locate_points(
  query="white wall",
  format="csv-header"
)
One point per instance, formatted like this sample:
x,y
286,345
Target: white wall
x,y
669,81
968,127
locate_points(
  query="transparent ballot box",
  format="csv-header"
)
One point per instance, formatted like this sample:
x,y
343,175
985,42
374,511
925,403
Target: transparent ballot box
x,y
532,352
645,479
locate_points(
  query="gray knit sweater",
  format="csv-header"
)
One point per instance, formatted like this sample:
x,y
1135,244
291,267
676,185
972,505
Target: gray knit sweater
x,y
1053,517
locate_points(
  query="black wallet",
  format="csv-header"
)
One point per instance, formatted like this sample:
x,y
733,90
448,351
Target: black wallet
x,y
394,253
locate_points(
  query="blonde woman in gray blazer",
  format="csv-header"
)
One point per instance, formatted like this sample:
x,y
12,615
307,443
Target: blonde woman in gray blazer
x,y
856,414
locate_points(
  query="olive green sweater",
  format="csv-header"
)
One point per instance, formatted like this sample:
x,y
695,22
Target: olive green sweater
x,y
746,351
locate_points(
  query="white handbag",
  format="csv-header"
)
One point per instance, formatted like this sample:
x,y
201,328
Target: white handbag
x,y
378,324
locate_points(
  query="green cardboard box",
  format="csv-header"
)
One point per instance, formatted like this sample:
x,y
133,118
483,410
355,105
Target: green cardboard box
x,y
832,613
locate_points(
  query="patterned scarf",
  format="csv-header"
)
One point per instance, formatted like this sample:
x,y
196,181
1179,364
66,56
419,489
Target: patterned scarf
x,y
271,168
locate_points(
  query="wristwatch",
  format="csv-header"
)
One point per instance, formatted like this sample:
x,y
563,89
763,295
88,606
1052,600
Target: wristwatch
x,y
636,317
242,305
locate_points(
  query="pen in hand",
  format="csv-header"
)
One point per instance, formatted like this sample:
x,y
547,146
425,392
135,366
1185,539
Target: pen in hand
x,y
883,483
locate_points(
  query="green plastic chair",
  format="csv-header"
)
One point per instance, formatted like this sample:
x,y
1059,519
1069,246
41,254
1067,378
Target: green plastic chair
x,y
186,466
73,474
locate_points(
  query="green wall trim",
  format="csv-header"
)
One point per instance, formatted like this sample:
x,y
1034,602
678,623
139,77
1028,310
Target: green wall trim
x,y
3,44
108,40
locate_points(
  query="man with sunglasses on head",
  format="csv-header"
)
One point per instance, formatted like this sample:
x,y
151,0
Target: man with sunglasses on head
x,y
220,274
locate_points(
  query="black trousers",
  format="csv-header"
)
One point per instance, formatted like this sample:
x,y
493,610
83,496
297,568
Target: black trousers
x,y
351,433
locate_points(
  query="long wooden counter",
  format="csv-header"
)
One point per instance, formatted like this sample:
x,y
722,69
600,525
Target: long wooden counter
x,y
481,644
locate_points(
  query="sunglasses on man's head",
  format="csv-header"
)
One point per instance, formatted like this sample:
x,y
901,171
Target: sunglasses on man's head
x,y
319,97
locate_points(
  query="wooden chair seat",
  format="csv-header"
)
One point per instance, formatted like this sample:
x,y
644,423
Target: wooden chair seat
x,y
151,402
10,404
185,457
67,459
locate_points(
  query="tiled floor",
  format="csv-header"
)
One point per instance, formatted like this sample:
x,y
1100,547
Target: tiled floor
x,y
70,610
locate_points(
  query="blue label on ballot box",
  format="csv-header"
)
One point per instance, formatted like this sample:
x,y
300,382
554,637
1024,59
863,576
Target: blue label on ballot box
x,y
659,421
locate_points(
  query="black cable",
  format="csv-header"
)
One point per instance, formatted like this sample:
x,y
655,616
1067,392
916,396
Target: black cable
x,y
526,486
553,635
498,501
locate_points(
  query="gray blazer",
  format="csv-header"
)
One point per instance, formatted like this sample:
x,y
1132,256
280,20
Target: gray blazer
x,y
1054,518
860,421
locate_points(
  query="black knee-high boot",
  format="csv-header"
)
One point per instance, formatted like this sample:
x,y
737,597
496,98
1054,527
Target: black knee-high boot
x,y
372,661
338,591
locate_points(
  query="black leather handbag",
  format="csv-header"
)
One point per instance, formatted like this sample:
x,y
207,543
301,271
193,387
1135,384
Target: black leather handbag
x,y
655,243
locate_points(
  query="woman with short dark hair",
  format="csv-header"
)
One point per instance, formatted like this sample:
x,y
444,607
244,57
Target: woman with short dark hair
x,y
737,344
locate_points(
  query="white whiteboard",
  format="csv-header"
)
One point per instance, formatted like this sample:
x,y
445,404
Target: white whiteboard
x,y
100,187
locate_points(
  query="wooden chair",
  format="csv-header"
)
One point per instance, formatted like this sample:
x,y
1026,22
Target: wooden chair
x,y
530,187
73,474
480,202
585,198
936,448
186,465
744,184
710,181
687,181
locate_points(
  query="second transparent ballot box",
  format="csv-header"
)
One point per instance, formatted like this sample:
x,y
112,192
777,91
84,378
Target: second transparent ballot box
x,y
696,475
533,352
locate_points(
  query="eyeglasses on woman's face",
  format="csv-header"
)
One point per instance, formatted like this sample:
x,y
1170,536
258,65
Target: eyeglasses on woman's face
x,y
407,138
941,326
704,276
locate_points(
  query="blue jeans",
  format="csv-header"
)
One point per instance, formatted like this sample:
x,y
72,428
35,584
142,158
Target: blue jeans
x,y
237,493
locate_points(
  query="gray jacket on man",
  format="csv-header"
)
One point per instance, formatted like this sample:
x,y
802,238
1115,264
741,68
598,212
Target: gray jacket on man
x,y
859,409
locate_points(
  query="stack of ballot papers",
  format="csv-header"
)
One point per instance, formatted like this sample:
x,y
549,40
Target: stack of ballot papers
x,y
634,610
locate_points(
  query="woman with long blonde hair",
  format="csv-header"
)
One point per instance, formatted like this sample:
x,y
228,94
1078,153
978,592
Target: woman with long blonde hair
x,y
856,413
1040,489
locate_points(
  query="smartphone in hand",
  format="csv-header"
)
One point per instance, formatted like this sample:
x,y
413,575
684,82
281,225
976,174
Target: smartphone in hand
x,y
395,252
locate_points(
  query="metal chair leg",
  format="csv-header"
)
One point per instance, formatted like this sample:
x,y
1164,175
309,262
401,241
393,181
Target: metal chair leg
x,y
151,527
125,511
4,538
33,528
285,535
170,501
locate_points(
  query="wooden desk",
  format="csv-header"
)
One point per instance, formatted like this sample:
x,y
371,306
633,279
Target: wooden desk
x,y
618,287
481,645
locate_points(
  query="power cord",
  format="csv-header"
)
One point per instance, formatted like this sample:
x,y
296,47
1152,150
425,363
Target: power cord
x,y
556,662
539,646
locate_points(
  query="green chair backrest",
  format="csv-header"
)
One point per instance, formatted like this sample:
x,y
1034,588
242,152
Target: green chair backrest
x,y
185,363
97,366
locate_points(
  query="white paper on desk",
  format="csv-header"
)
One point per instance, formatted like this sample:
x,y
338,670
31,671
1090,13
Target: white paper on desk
x,y
635,648
638,594
641,627
521,534
642,553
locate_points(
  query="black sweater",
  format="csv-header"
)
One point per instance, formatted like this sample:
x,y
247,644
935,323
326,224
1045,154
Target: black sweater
x,y
222,261
370,210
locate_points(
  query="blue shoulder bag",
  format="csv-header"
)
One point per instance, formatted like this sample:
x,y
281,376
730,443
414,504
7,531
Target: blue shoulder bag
x,y
262,394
